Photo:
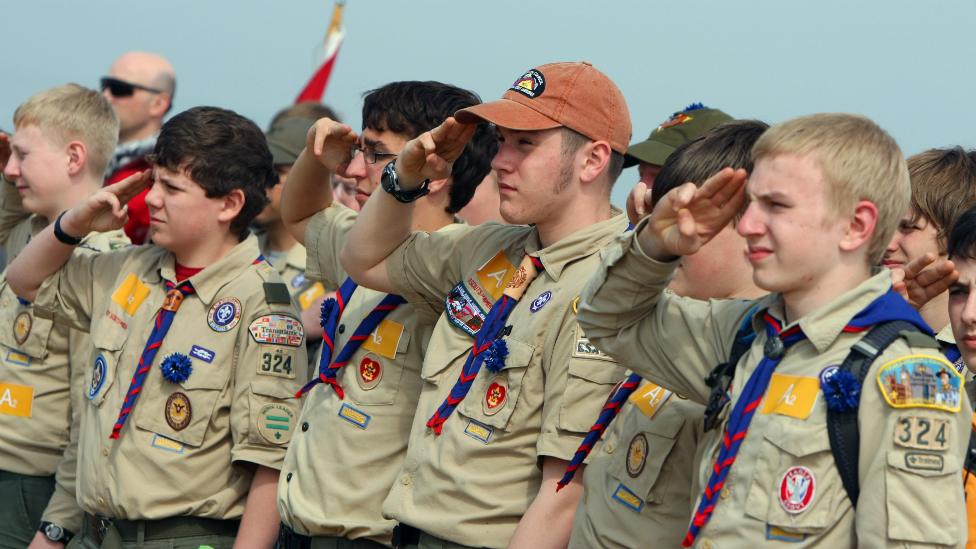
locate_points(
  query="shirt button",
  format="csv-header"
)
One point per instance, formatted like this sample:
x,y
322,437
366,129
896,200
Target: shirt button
x,y
609,447
406,479
101,502
105,452
342,328
288,477
706,544
304,426
725,493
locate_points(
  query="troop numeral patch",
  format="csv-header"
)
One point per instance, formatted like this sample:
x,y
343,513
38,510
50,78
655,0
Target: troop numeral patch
x,y
277,363
922,433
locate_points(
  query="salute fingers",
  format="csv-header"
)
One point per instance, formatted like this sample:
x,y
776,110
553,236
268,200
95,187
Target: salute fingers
x,y
332,143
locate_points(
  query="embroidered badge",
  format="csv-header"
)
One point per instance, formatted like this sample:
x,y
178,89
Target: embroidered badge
x,y
463,311
353,415
370,372
792,396
224,314
18,358
922,433
22,327
921,381
278,363
278,330
827,373
531,84
479,431
796,489
307,298
495,275
276,423
637,455
540,301
628,498
649,398
99,369
178,411
16,400
168,444
130,294
298,280
778,534
585,349
924,461
385,339
202,353
495,396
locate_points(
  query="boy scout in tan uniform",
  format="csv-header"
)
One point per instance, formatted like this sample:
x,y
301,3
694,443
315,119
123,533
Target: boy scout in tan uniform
x,y
472,474
340,466
39,390
182,447
770,474
639,487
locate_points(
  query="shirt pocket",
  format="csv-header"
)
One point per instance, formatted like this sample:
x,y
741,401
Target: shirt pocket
x,y
374,379
796,485
103,365
273,411
920,487
24,335
588,387
642,454
494,397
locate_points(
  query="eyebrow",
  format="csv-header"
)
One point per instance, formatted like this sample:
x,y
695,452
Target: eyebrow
x,y
373,144
771,194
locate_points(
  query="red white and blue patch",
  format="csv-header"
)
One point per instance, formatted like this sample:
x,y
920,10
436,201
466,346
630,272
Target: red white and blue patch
x,y
202,353
99,370
224,314
463,310
796,489
540,301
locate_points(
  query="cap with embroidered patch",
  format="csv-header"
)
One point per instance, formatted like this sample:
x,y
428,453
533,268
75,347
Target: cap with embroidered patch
x,y
683,126
575,95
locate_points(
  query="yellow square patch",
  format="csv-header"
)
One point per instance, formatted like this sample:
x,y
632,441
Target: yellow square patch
x,y
308,297
791,396
385,339
495,274
650,398
130,294
16,400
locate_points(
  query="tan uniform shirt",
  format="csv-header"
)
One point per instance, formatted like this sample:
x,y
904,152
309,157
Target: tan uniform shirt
x,y
638,486
784,484
473,483
39,390
341,464
185,446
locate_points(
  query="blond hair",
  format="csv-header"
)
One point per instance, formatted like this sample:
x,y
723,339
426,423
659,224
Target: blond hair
x,y
943,187
859,161
74,113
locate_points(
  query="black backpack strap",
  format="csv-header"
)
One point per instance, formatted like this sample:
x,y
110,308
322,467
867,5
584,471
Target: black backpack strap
x,y
720,378
842,392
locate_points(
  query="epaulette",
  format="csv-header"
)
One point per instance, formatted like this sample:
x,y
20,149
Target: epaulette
x,y
276,293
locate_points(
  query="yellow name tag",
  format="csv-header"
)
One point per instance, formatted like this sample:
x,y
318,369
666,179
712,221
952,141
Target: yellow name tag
x,y
385,339
650,398
495,274
791,396
16,400
306,298
130,294
168,444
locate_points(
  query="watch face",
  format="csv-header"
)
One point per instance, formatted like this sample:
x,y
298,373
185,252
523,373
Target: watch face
x,y
53,532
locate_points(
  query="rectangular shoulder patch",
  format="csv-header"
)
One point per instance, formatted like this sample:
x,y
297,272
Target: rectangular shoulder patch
x,y
276,293
130,294
277,329
385,339
495,275
921,381
308,296
650,398
16,400
792,396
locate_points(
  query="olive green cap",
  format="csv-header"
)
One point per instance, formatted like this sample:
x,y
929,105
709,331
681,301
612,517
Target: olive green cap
x,y
286,139
680,128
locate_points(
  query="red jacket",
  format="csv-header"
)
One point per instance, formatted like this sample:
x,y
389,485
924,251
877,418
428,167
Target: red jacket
x,y
137,227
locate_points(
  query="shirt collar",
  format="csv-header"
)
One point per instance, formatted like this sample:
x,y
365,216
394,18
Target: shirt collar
x,y
580,244
215,276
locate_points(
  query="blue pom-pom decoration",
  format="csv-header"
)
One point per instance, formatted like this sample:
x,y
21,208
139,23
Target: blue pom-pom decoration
x,y
176,368
326,310
695,107
495,356
842,391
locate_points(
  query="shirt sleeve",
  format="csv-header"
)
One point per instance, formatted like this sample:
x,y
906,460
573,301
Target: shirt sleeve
x,y
325,235
427,265
12,211
68,295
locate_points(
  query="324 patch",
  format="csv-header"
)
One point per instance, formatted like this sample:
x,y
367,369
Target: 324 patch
x,y
921,381
277,362
277,330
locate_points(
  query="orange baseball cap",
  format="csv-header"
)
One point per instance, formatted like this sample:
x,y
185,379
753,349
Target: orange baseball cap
x,y
574,95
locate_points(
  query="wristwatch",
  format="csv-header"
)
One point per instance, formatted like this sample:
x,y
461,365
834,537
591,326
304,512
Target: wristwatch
x,y
54,532
391,184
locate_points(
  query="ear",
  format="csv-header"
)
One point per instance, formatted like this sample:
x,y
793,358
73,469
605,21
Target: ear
x,y
438,186
77,157
594,158
233,202
159,104
861,226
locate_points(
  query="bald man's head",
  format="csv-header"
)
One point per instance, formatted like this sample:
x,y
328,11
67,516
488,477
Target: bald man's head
x,y
141,112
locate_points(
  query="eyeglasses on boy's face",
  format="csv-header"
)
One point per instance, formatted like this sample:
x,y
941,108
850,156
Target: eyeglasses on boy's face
x,y
370,154
121,88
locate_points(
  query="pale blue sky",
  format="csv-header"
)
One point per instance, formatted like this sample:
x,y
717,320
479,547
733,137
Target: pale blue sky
x,y
907,64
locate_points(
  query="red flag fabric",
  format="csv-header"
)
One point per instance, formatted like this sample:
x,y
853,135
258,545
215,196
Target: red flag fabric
x,y
315,88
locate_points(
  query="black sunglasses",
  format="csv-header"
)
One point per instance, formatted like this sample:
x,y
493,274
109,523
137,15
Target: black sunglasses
x,y
121,88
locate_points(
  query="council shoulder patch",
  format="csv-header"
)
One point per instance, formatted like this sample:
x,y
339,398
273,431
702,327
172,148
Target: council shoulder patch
x,y
277,330
463,311
224,314
531,84
921,381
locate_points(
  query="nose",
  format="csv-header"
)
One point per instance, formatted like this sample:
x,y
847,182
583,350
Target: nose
x,y
969,309
893,244
357,166
750,222
502,160
12,170
154,198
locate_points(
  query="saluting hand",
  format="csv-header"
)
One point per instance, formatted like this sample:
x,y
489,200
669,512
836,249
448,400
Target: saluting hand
x,y
919,285
105,209
431,155
332,144
688,217
638,202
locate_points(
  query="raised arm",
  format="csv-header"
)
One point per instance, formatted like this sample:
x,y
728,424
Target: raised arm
x,y
384,223
103,211
307,191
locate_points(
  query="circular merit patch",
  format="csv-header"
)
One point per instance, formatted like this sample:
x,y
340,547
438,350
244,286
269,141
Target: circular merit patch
x,y
796,489
495,396
370,372
224,314
99,369
178,411
275,423
22,327
637,455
